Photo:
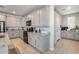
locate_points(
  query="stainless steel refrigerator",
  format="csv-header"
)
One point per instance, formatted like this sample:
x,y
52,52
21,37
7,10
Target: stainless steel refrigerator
x,y
2,26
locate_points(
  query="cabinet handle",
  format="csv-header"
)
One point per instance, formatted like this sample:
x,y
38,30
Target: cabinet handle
x,y
35,41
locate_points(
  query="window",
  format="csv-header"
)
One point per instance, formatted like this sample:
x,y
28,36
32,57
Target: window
x,y
71,22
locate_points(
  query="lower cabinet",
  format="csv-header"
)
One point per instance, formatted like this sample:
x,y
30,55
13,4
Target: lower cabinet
x,y
76,36
39,45
13,33
21,33
31,40
70,35
63,34
38,42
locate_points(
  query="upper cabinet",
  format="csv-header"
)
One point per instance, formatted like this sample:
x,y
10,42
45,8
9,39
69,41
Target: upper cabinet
x,y
23,21
44,16
35,19
40,17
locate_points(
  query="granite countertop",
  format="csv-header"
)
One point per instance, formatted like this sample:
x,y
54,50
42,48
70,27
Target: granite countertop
x,y
44,36
73,31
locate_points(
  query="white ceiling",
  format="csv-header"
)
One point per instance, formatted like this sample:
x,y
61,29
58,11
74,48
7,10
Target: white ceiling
x,y
19,9
62,9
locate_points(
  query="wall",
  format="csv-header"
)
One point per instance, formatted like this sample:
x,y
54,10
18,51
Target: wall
x,y
13,21
2,17
58,19
10,20
64,19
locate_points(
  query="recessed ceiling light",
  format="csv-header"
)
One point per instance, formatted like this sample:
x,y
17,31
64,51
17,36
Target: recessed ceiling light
x,y
38,11
29,15
13,12
69,8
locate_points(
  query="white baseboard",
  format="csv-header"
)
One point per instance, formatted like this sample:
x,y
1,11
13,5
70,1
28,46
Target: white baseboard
x,y
51,49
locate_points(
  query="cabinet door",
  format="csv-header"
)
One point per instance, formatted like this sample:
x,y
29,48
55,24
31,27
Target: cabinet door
x,y
70,34
76,36
35,19
21,34
63,34
44,17
10,34
39,44
33,41
29,40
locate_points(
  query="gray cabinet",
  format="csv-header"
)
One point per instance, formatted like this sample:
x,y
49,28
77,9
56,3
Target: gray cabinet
x,y
21,33
63,34
13,33
42,44
76,36
44,16
35,19
40,17
70,35
31,39
39,44
67,34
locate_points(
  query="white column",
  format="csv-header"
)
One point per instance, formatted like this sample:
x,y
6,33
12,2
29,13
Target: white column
x,y
51,18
